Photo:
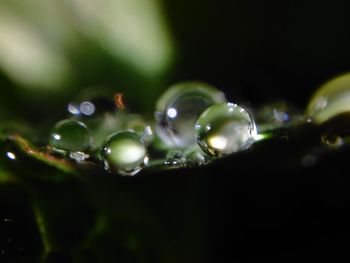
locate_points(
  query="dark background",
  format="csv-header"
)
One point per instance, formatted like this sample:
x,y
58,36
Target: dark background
x,y
262,49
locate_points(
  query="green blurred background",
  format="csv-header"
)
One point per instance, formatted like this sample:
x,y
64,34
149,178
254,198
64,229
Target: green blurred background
x,y
253,50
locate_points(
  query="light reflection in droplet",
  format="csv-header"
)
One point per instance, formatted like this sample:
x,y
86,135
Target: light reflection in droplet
x,y
218,142
73,109
172,113
11,155
56,137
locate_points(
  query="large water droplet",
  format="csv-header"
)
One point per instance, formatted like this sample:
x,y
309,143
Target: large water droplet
x,y
332,99
178,109
70,136
124,153
225,128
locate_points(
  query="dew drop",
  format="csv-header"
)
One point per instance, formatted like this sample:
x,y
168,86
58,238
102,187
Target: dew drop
x,y
124,153
175,158
70,136
178,109
331,99
196,157
225,128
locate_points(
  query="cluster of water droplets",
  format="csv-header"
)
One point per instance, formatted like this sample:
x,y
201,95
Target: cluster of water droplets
x,y
193,125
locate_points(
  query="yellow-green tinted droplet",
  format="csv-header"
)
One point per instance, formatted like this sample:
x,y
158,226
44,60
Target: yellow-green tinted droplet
x,y
332,99
70,136
225,128
124,153
178,109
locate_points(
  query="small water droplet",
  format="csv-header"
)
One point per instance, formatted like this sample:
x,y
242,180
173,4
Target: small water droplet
x,y
178,109
70,136
232,129
175,158
195,157
124,153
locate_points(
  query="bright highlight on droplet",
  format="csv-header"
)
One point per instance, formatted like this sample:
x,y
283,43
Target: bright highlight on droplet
x,y
124,153
172,113
57,137
218,142
129,153
11,155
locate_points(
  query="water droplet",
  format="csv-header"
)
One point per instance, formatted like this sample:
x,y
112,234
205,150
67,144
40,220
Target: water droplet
x,y
225,128
175,158
70,136
332,99
195,157
178,109
124,153
277,114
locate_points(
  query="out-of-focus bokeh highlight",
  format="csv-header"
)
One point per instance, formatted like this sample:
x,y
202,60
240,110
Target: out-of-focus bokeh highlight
x,y
56,48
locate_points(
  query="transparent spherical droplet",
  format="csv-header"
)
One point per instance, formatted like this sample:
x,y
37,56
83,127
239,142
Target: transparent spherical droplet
x,y
225,128
178,109
332,99
277,114
124,153
70,136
